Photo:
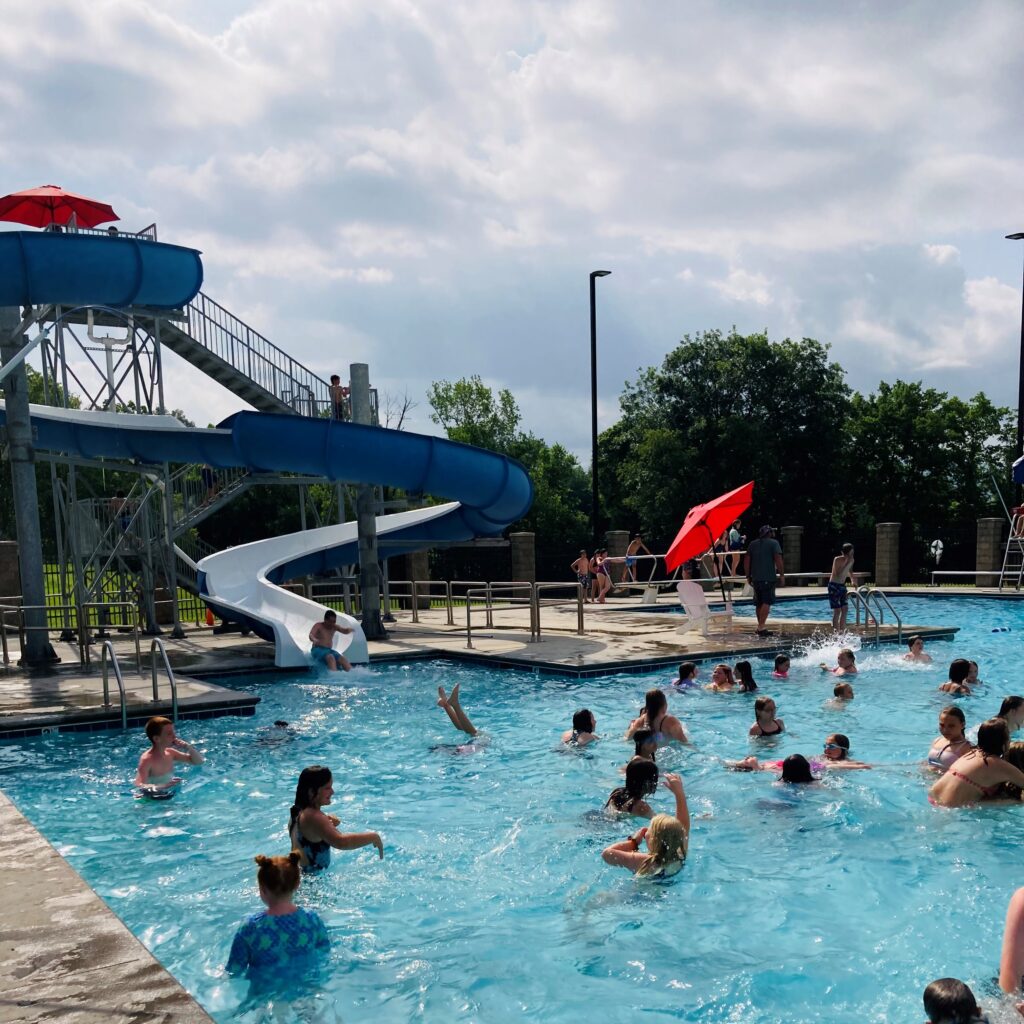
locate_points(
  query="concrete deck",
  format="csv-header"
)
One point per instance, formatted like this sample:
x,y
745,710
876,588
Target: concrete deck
x,y
64,955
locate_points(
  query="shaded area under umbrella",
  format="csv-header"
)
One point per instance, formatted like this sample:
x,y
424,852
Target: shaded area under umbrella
x,y
50,204
704,523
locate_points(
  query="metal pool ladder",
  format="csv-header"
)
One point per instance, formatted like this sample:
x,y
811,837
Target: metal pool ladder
x,y
108,650
153,647
869,592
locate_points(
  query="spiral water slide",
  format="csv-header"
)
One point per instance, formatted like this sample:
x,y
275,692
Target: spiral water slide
x,y
242,584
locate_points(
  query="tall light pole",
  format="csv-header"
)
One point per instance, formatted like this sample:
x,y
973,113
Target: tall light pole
x,y
1020,384
594,275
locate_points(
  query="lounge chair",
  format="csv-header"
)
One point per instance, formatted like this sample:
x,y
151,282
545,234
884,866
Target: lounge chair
x,y
695,604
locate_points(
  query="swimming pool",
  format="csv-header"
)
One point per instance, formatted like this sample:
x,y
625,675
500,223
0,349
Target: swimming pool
x,y
493,904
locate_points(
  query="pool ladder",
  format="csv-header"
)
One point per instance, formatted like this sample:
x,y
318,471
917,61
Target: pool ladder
x,y
109,661
863,597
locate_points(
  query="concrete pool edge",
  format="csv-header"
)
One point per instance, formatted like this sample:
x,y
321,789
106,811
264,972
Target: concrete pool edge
x,y
65,952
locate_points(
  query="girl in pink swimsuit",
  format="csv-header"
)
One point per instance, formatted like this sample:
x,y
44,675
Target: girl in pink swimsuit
x,y
980,772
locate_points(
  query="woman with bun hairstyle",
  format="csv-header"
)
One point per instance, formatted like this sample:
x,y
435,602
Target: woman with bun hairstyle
x,y
284,938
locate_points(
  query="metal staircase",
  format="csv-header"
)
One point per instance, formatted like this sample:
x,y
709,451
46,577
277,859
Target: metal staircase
x,y
1012,571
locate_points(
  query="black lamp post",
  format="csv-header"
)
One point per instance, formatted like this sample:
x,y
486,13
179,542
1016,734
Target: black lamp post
x,y
1020,384
594,275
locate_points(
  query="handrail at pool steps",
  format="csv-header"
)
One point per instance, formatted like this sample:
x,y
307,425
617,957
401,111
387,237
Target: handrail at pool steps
x,y
83,627
156,645
487,591
108,648
871,591
577,588
860,602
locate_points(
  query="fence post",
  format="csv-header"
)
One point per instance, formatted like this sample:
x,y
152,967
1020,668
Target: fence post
x,y
618,541
989,552
417,567
887,554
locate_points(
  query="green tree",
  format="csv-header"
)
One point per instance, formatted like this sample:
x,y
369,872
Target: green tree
x,y
722,410
470,413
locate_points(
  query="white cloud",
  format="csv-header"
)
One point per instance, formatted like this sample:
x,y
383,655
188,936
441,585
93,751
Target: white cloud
x,y
743,286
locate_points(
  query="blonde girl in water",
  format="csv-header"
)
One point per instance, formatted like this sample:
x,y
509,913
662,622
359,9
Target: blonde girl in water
x,y
667,840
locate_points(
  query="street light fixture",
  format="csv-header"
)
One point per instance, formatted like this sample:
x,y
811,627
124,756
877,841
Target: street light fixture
x,y
594,275
1018,236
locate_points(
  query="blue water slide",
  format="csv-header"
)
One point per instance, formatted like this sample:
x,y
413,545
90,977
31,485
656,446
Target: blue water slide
x,y
38,267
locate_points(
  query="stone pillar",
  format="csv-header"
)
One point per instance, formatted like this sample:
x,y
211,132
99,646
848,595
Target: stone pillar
x,y
887,554
792,542
10,577
989,552
417,567
617,542
524,557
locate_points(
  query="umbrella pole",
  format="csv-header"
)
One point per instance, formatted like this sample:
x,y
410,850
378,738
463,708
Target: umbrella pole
x,y
717,561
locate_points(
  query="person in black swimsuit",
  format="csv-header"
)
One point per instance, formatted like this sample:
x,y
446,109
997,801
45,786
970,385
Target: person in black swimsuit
x,y
312,833
765,722
641,781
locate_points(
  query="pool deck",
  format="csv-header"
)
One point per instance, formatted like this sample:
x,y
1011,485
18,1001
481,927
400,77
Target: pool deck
x,y
68,958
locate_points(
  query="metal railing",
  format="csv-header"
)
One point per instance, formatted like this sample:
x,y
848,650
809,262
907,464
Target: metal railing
x,y
197,494
860,603
487,591
108,648
23,628
158,645
538,602
872,592
103,607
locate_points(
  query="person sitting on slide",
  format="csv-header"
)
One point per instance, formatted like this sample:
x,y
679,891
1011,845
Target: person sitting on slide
x,y
322,638
155,775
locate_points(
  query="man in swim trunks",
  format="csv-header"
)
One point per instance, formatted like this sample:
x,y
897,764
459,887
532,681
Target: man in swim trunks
x,y
842,570
636,545
322,638
156,766
763,565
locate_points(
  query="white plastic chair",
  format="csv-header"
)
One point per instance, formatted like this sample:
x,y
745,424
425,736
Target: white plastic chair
x,y
695,604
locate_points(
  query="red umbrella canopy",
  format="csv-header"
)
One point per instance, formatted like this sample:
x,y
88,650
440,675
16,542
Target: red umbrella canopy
x,y
704,524
50,204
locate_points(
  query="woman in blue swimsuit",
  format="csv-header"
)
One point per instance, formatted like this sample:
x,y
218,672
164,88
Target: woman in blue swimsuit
x,y
313,834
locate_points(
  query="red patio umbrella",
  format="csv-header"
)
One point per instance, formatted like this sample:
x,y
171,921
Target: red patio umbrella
x,y
704,524
50,204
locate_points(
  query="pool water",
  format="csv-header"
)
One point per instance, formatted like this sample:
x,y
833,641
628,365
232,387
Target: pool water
x,y
840,901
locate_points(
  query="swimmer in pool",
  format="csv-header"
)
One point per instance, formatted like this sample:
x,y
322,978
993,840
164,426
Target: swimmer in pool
x,y
722,680
745,675
666,837
687,678
842,692
645,745
1012,710
781,667
795,768
156,766
950,1001
837,753
654,716
314,834
641,782
583,731
957,682
980,772
765,722
846,664
453,707
916,652
972,676
951,744
322,638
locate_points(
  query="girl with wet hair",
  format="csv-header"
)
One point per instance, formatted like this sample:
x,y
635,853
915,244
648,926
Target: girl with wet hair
x,y
980,772
641,781
654,716
951,743
957,683
667,839
1012,711
746,677
765,722
796,769
837,753
950,1001
314,834
280,942
645,745
722,679
583,731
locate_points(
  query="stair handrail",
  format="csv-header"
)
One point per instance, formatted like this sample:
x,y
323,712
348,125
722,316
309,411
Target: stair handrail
x,y
860,602
108,649
158,645
880,599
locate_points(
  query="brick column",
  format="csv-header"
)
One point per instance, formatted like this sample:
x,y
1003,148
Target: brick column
x,y
417,567
989,551
887,554
524,557
792,542
617,542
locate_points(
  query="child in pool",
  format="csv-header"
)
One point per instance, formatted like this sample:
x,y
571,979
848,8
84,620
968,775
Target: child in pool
x,y
745,674
950,1001
846,664
687,677
765,722
284,941
781,667
583,731
156,766
842,692
957,681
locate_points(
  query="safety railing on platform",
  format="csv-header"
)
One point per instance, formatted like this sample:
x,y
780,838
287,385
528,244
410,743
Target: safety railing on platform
x,y
869,593
23,628
158,645
860,604
108,649
487,592
538,603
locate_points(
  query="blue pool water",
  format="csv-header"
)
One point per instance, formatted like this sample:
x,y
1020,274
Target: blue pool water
x,y
840,901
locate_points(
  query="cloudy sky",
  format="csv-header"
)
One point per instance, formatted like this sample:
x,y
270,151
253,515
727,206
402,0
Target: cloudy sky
x,y
425,186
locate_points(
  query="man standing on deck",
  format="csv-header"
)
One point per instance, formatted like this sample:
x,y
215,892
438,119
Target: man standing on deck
x,y
636,545
842,570
763,565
